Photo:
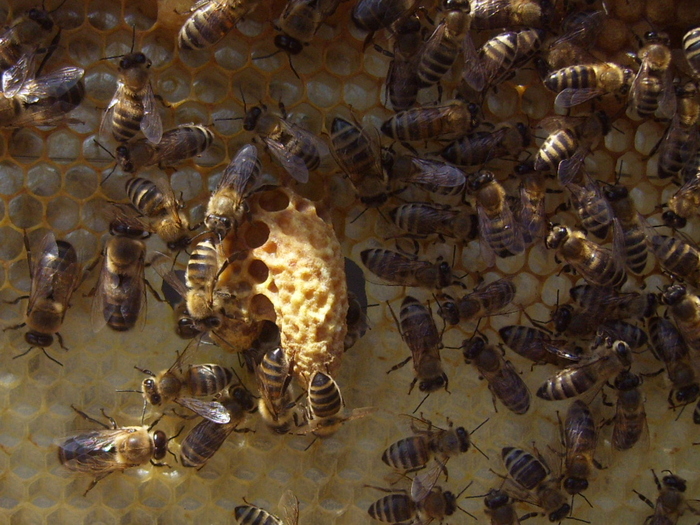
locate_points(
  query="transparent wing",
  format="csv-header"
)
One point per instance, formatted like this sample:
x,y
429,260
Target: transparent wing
x,y
571,97
433,172
42,276
151,125
54,84
289,504
97,318
569,168
293,164
667,103
163,265
424,482
97,449
106,124
14,77
211,410
241,173
474,73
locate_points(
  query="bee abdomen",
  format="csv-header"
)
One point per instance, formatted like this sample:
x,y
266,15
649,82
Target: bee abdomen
x,y
202,442
324,396
573,77
636,250
206,380
432,67
395,508
249,515
557,147
523,467
566,384
406,454
145,196
126,118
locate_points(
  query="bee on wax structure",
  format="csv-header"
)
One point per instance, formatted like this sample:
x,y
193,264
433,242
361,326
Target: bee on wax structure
x,y
652,89
176,145
602,304
297,150
55,275
685,311
504,381
691,48
212,20
605,361
684,204
671,503
358,154
299,22
498,14
120,292
273,378
630,421
23,38
678,257
595,211
402,82
535,478
227,204
578,84
597,265
111,449
500,233
157,202
420,334
373,15
420,219
407,270
430,175
450,120
579,33
580,440
251,515
530,210
133,106
536,345
482,302
682,138
635,246
207,437
482,146
427,442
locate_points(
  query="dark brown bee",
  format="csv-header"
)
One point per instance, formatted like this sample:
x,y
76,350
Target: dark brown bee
x,y
273,379
112,449
500,509
176,145
684,204
675,256
427,442
431,122
22,39
606,304
206,438
530,213
430,175
533,475
579,32
534,344
594,210
482,302
120,293
251,515
55,275
157,202
402,82
405,270
133,106
212,20
499,231
632,230
691,48
652,88
373,15
596,265
681,141
421,219
419,332
578,84
685,310
299,22
504,381
631,334
671,503
607,360
359,155
356,320
580,440
497,14
227,206
482,146
296,149
630,417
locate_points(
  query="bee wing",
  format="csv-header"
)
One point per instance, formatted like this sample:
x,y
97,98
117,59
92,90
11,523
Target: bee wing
x,y
241,171
689,188
560,350
54,84
571,97
289,504
294,165
171,204
424,482
98,447
554,123
97,318
42,277
484,227
151,125
211,410
106,124
618,243
14,77
569,168
163,266
638,83
200,4
474,73
667,103
434,172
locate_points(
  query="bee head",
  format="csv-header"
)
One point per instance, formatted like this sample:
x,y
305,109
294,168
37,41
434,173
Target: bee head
x,y
496,499
561,513
575,485
38,339
433,384
160,444
250,121
673,294
674,482
41,17
288,44
673,220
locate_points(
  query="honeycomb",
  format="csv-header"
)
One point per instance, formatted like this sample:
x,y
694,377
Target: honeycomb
x,y
52,180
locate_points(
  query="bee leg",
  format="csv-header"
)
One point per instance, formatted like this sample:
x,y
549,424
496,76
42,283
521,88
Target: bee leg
x,y
402,363
159,464
155,294
15,301
109,418
60,341
89,418
94,482
644,498
15,327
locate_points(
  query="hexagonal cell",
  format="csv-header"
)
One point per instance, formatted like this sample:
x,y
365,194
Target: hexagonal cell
x,y
81,182
71,15
12,179
140,15
63,213
26,516
101,516
43,179
85,50
26,461
25,211
103,14
187,182
26,146
85,244
173,84
324,90
361,92
250,84
44,493
63,147
233,56
101,83
210,85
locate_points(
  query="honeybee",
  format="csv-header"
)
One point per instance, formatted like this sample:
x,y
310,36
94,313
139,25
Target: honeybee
x,y
530,212
565,149
157,201
373,15
578,84
273,380
482,302
497,226
535,344
579,32
227,204
685,310
206,438
402,82
671,503
601,303
405,270
176,145
691,48
635,246
441,49
299,22
684,203
607,360
652,88
133,106
483,146
595,264
504,381
419,332
675,256
630,417
534,476
594,210
497,14
296,149
42,101
680,143
631,334
212,20
500,510
432,122
112,449
183,386
358,155
324,417
251,515
55,276
421,219
427,442
120,293
430,175
580,439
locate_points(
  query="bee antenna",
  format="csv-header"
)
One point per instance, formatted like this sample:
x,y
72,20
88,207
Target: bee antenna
x,y
268,56
480,425
132,390
133,38
52,358
421,403
466,512
292,67
479,450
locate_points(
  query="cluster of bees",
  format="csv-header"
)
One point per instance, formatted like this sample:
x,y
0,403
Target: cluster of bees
x,y
593,340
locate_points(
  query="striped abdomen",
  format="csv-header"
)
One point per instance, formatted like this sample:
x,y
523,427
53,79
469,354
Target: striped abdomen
x,y
407,454
558,146
523,467
394,508
203,441
207,380
212,22
324,396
